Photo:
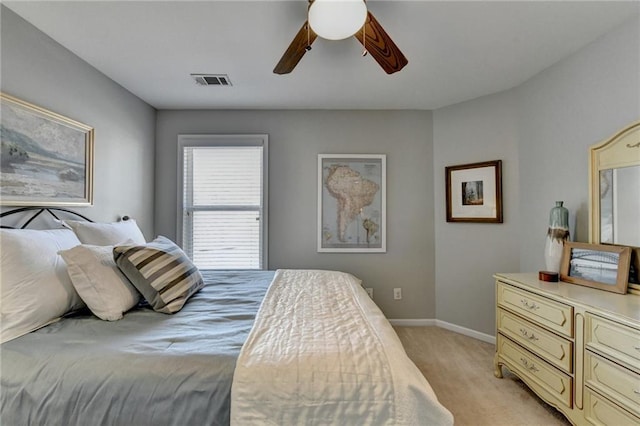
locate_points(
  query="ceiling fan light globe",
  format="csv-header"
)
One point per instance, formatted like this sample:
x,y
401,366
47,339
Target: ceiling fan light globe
x,y
337,19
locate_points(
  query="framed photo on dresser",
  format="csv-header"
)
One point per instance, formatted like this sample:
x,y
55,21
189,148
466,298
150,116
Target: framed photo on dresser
x,y
601,266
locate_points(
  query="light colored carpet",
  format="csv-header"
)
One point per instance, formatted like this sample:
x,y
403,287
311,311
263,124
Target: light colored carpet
x,y
460,370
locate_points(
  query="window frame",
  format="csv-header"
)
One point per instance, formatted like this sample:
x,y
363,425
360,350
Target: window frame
x,y
212,140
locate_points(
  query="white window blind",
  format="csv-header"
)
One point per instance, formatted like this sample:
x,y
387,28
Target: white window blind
x,y
223,193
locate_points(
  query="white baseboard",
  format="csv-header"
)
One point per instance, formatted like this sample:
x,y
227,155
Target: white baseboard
x,y
466,332
446,325
413,322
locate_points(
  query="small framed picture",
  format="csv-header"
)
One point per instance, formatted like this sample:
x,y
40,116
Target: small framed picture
x,y
601,266
474,192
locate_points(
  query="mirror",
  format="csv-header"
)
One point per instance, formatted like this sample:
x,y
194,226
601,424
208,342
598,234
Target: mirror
x,y
620,215
614,191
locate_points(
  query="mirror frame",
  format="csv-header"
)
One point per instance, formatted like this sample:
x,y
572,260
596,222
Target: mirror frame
x,y
620,150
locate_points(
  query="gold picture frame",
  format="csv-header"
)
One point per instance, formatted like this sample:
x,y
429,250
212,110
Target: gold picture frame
x,y
47,158
601,266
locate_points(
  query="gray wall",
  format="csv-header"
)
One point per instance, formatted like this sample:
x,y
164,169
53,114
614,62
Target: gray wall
x,y
563,111
542,131
295,139
468,254
38,70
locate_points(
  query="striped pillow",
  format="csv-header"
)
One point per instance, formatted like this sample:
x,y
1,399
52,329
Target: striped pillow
x,y
161,272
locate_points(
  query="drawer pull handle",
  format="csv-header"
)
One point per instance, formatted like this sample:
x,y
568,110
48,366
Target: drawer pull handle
x,y
531,367
636,391
637,348
530,306
526,334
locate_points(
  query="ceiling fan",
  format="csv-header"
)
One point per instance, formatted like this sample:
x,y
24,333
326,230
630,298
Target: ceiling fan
x,y
340,19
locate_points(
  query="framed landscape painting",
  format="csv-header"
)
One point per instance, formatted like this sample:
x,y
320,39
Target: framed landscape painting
x,y
352,203
46,159
474,192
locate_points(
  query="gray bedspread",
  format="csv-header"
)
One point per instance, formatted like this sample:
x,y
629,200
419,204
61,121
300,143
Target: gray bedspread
x,y
148,368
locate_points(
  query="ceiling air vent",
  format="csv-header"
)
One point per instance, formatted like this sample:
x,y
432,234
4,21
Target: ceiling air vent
x,y
212,79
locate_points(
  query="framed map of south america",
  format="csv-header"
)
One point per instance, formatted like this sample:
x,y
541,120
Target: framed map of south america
x,y
352,203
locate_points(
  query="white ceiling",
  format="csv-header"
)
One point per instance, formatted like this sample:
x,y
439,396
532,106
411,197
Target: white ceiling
x,y
457,50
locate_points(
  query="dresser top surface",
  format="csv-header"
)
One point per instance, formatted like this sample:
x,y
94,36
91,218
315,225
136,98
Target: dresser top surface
x,y
626,305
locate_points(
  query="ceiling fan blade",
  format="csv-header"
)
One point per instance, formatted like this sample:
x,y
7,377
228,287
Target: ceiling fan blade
x,y
296,50
380,46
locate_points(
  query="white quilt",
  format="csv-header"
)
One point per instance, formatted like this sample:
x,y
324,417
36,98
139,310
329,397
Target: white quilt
x,y
322,353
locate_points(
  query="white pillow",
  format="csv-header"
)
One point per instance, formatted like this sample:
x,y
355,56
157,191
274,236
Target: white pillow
x,y
35,289
106,234
99,282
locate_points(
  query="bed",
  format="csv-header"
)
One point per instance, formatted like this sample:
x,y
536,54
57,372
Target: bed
x,y
248,347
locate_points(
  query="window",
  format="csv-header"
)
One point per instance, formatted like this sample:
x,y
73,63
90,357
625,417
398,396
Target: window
x,y
222,219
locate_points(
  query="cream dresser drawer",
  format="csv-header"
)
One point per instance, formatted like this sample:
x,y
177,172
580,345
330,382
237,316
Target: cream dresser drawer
x,y
614,340
542,377
598,411
552,348
546,312
577,348
616,382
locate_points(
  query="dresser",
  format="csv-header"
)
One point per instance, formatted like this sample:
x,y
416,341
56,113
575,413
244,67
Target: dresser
x,y
578,348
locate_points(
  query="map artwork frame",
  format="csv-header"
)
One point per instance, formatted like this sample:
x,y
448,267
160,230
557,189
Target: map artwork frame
x,y
474,192
352,203
47,159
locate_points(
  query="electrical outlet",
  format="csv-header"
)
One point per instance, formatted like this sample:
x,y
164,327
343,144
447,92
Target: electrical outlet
x,y
369,292
397,293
